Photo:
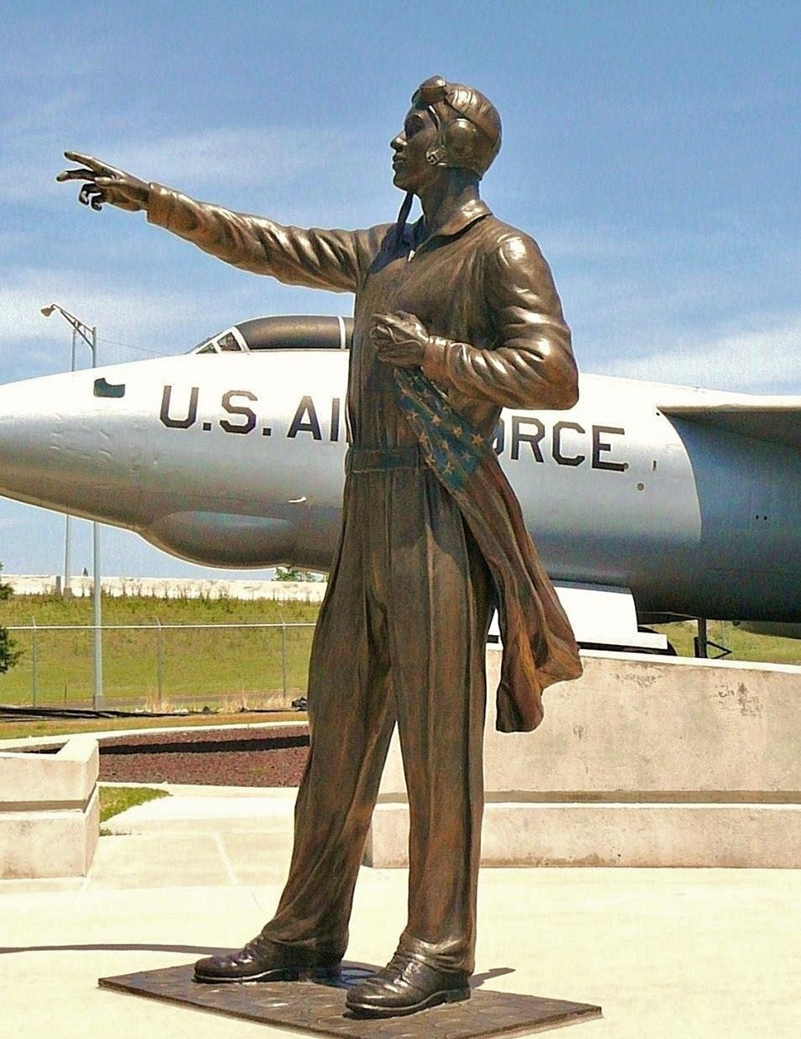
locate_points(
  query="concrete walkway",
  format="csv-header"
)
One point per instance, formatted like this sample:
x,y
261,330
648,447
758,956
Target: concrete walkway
x,y
667,953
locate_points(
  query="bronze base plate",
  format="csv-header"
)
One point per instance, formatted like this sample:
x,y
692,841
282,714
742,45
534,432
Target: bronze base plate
x,y
317,1006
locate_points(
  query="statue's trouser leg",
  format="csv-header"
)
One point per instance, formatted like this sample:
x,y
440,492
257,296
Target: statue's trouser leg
x,y
409,592
440,691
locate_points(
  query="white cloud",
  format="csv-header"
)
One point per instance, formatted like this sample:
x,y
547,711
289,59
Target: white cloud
x,y
221,159
239,156
32,345
768,360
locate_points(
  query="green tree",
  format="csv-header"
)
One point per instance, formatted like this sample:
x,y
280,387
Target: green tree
x,y
8,654
294,573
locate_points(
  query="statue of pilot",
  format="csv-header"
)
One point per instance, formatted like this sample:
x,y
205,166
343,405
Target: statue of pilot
x,y
456,316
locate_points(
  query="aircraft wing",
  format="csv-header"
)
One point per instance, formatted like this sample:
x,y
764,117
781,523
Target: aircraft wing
x,y
777,420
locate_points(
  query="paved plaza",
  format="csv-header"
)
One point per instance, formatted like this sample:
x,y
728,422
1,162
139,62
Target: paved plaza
x,y
668,953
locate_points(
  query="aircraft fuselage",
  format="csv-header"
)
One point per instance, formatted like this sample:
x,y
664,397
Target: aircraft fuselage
x,y
236,460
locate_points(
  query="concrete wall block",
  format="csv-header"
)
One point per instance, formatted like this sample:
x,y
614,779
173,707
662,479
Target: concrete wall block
x,y
37,844
64,779
387,844
49,811
644,761
91,833
653,726
725,836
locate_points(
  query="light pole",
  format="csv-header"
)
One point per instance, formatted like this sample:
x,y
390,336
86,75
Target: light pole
x,y
89,336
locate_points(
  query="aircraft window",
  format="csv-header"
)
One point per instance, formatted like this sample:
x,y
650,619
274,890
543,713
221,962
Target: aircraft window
x,y
231,340
227,342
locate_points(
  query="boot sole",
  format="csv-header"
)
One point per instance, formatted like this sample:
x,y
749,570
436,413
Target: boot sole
x,y
434,1000
274,974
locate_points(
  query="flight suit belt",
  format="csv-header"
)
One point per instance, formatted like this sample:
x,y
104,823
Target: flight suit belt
x,y
383,459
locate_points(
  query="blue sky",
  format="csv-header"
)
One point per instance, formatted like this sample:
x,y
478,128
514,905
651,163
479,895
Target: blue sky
x,y
652,148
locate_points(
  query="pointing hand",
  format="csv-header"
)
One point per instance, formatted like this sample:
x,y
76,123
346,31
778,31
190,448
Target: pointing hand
x,y
106,184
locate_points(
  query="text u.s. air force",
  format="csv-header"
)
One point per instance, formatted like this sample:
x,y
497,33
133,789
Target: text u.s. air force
x,y
524,435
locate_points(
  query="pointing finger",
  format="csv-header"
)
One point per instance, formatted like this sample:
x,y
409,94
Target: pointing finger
x,y
75,175
87,160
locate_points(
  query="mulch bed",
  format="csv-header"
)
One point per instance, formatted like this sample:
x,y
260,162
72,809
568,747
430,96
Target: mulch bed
x,y
224,757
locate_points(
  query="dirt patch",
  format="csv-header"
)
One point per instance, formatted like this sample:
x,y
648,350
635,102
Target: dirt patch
x,y
256,757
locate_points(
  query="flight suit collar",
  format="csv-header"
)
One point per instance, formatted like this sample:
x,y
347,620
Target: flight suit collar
x,y
464,216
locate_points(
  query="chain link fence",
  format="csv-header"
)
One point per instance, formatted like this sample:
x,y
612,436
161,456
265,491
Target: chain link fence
x,y
160,667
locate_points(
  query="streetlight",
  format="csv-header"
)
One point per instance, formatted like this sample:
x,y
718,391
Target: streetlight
x,y
89,336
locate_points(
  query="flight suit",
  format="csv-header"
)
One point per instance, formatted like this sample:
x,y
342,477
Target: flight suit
x,y
401,634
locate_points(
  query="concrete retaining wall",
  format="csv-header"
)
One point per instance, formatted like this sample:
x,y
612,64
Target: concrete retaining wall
x,y
644,761
49,811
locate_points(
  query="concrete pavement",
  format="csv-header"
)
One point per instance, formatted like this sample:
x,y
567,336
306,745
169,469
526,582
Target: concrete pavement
x,y
684,953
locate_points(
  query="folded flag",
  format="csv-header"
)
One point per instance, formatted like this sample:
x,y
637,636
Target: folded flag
x,y
538,643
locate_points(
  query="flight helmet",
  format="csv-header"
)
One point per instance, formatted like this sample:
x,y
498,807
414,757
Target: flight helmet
x,y
468,123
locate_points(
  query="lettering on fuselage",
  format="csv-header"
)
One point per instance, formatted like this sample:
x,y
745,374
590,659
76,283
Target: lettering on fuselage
x,y
191,414
565,442
248,414
181,413
528,434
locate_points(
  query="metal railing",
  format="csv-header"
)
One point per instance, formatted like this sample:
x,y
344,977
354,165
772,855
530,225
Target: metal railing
x,y
155,666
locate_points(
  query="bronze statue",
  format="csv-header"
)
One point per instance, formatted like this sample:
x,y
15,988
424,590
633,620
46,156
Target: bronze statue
x,y
456,316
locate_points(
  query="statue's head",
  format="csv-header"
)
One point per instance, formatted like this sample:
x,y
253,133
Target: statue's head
x,y
468,125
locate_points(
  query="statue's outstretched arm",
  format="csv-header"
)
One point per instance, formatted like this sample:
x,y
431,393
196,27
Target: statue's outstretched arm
x,y
334,260
106,184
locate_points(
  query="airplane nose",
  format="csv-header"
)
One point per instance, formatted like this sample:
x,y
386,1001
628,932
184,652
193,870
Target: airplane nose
x,y
27,461
168,448
55,447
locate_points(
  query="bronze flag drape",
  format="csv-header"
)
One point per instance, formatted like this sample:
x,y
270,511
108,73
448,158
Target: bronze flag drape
x,y
538,643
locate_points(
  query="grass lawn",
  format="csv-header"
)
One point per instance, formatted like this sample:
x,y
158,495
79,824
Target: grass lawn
x,y
116,799
160,669
226,670
743,644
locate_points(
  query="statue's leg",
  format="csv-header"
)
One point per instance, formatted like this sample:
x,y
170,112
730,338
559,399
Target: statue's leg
x,y
441,700
441,592
352,715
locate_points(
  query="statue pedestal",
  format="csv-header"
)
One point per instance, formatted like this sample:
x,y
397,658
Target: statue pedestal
x,y
318,1007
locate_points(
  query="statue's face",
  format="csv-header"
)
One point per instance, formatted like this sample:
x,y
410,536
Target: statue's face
x,y
412,171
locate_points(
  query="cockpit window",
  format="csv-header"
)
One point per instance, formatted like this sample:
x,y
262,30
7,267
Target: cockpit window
x,y
289,332
230,341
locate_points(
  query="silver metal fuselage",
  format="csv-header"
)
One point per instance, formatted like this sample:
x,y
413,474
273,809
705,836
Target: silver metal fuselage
x,y
236,460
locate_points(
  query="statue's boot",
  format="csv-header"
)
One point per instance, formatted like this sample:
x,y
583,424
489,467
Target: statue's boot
x,y
264,960
404,986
